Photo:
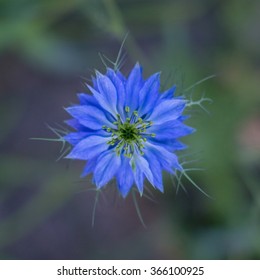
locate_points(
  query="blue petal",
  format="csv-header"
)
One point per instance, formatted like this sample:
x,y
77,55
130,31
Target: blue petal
x,y
133,85
120,89
89,148
89,116
149,94
81,128
89,167
125,177
101,100
75,137
168,94
121,77
86,99
108,92
156,170
169,130
76,125
167,159
139,180
107,165
169,144
94,82
140,166
167,110
183,118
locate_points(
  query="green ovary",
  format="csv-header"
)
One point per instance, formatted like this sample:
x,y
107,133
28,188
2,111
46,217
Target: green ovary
x,y
128,132
129,137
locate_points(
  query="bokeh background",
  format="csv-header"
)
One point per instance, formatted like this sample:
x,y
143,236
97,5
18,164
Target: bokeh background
x,y
47,51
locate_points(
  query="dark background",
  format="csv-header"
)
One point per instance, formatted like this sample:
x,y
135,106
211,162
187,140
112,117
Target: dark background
x,y
49,48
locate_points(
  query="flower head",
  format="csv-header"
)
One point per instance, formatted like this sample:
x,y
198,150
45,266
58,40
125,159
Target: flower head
x,y
127,129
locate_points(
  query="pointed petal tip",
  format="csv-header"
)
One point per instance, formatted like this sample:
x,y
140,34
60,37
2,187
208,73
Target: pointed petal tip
x,y
179,167
99,186
91,88
138,66
110,71
141,192
68,156
81,94
98,74
71,109
193,130
67,109
122,190
123,194
160,188
82,175
67,121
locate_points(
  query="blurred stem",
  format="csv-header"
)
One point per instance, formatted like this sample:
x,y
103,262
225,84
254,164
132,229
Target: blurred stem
x,y
117,24
253,188
119,30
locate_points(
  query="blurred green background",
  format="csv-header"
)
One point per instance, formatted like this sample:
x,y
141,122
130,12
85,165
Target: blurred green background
x,y
49,48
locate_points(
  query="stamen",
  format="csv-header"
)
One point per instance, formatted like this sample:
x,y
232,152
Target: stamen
x,y
129,137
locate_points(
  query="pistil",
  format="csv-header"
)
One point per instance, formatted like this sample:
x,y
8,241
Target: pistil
x,y
129,136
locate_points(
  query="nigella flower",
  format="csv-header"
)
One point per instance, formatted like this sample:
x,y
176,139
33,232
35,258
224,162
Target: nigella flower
x,y
127,130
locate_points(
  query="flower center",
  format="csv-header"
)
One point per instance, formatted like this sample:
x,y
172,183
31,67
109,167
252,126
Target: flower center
x,y
129,137
128,132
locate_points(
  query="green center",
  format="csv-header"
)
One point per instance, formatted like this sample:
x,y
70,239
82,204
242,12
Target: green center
x,y
128,132
129,136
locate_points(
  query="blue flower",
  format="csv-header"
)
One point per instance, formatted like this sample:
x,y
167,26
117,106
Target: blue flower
x,y
127,129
